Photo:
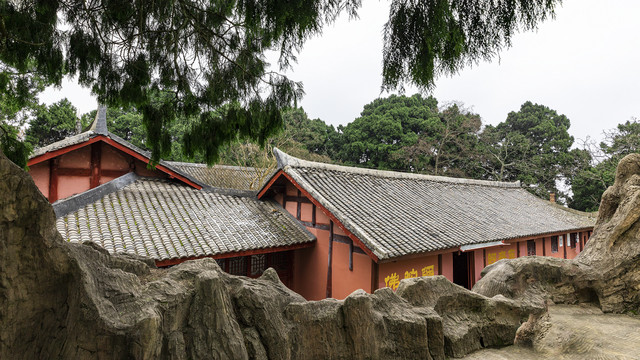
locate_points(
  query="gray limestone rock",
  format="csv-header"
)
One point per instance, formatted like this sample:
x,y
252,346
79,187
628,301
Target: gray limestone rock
x,y
606,273
469,321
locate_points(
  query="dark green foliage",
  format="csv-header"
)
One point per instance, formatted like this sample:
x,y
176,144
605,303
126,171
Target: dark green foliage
x,y
385,126
429,38
410,134
18,95
590,182
16,150
210,55
446,146
313,135
532,145
53,123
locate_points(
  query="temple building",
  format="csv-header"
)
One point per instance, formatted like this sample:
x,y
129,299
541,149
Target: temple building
x,y
375,228
328,230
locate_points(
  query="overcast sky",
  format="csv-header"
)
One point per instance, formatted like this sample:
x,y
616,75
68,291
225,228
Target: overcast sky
x,y
584,64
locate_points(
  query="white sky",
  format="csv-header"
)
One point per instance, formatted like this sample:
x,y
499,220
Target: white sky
x,y
584,64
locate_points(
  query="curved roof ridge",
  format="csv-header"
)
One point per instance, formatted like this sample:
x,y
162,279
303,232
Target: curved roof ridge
x,y
285,159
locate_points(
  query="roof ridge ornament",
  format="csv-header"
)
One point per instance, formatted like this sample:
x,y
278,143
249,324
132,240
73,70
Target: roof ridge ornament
x,y
99,124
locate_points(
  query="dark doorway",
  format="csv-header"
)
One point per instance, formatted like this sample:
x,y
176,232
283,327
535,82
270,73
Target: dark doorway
x,y
461,269
531,247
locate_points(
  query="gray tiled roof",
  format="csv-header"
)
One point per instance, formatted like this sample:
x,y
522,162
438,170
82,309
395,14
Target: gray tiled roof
x,y
166,220
225,176
397,214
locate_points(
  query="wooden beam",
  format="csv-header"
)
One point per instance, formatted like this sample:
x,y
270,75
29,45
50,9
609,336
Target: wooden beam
x,y
53,179
73,172
351,256
316,226
96,155
54,154
144,159
422,254
171,173
298,198
330,262
163,263
313,215
269,184
374,275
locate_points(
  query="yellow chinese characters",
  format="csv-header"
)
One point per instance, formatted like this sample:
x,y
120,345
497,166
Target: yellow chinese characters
x,y
512,254
502,255
491,258
427,270
392,281
411,274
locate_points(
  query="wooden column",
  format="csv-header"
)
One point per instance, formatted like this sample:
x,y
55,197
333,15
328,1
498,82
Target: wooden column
x,y
564,243
351,255
518,249
53,179
313,215
580,239
544,250
374,276
299,208
330,259
96,155
439,264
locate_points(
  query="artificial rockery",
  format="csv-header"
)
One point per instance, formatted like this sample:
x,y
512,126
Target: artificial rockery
x,y
62,300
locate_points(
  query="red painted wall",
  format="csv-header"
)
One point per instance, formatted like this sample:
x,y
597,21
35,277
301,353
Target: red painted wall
x,y
311,265
345,281
40,174
113,161
310,268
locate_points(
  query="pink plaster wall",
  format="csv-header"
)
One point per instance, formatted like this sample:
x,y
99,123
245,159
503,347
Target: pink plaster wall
x,y
77,159
40,174
306,212
447,266
345,281
71,185
113,159
310,268
538,247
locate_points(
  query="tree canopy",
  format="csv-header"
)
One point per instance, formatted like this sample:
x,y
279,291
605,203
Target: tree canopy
x,y
592,179
532,145
211,55
52,123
